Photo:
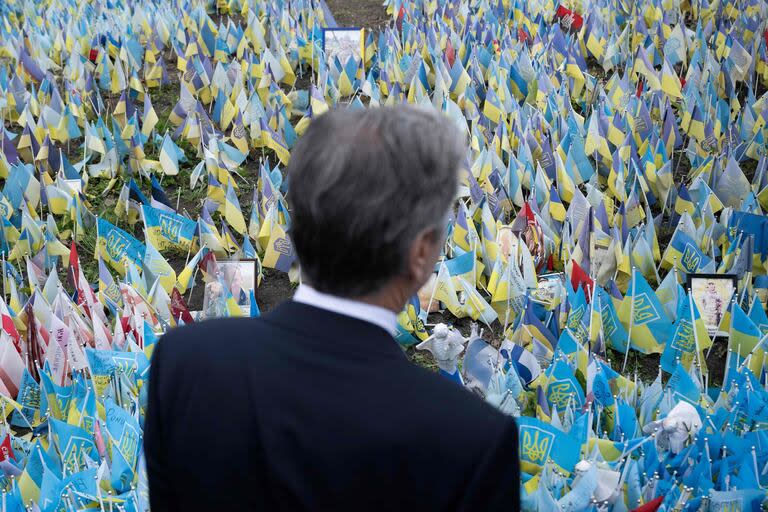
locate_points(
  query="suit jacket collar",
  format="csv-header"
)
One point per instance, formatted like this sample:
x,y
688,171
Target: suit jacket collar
x,y
327,327
378,315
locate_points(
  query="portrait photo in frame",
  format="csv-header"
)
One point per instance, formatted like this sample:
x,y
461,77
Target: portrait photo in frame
x,y
343,42
551,288
712,293
236,277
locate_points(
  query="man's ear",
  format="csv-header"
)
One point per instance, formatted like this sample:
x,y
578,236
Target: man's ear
x,y
422,255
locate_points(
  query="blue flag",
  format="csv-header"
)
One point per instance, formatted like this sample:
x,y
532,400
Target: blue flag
x,y
540,442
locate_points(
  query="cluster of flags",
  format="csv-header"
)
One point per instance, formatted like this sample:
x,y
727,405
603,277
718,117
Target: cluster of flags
x,y
614,149
84,151
598,133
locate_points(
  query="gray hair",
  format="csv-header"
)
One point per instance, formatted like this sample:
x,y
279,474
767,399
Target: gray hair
x,y
363,185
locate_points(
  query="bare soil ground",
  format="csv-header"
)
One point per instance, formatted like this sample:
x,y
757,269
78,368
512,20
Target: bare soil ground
x,y
358,13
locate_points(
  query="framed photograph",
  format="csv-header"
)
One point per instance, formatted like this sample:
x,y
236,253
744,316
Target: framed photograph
x,y
343,43
712,293
236,277
598,257
550,288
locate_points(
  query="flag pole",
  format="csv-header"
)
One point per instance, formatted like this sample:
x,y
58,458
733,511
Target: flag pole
x,y
695,334
5,272
590,412
746,284
189,251
434,288
631,322
474,261
591,292
194,278
655,270
509,297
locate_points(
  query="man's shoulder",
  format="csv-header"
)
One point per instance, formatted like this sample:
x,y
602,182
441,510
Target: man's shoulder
x,y
205,328
445,422
210,337
443,402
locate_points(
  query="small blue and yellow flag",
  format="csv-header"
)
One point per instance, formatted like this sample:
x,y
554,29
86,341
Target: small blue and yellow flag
x,y
689,335
744,334
157,268
232,212
410,326
275,142
685,254
108,288
167,229
279,253
650,328
118,247
540,443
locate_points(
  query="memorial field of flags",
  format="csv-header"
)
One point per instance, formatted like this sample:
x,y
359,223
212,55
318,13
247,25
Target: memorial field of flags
x,y
617,150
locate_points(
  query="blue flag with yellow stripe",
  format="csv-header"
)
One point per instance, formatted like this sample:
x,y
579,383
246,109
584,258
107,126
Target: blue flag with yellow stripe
x,y
166,229
118,247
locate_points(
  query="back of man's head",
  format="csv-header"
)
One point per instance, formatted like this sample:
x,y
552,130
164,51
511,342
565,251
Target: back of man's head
x,y
364,185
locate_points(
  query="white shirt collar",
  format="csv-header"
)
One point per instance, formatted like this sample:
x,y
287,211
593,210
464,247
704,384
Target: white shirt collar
x,y
376,315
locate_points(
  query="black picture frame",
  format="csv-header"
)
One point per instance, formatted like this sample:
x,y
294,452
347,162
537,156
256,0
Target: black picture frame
x,y
712,310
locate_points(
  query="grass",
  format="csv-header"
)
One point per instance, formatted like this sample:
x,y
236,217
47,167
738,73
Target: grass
x,y
422,358
646,366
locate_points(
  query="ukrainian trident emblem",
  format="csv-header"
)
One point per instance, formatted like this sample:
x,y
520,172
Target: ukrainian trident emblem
x,y
537,444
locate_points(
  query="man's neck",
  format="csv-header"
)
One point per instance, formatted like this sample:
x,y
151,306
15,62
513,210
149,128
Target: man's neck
x,y
387,301
373,311
392,297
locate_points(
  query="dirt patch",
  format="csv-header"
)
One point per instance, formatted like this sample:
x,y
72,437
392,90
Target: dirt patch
x,y
749,168
359,13
716,360
493,334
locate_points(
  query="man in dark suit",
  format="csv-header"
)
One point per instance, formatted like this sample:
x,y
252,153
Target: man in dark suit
x,y
314,406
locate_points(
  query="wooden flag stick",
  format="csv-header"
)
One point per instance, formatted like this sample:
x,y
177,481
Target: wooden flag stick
x,y
5,273
509,297
434,288
194,278
695,334
631,322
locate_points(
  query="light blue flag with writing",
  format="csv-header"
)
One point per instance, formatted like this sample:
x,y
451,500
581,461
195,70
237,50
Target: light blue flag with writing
x,y
580,495
125,438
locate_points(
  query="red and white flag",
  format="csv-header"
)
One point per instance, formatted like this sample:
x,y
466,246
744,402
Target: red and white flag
x,y
569,20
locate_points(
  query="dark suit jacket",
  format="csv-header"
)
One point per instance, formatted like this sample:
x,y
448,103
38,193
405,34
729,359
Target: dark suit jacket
x,y
304,409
